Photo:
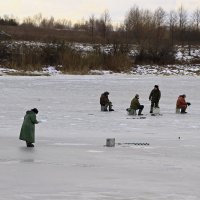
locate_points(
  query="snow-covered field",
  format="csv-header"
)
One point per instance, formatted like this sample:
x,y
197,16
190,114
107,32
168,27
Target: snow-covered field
x,y
70,161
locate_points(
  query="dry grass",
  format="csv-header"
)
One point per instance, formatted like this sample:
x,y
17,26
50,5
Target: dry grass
x,y
58,54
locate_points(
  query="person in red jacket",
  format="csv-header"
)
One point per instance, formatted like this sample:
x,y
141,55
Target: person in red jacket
x,y
182,104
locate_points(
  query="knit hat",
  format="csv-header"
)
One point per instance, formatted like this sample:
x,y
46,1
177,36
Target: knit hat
x,y
35,110
156,86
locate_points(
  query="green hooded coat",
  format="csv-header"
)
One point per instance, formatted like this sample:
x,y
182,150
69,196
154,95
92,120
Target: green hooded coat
x,y
27,132
135,104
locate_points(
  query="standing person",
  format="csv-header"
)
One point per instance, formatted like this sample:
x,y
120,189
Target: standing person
x,y
105,102
27,132
135,105
154,97
182,104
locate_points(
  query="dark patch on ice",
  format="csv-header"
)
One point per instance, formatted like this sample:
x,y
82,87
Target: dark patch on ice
x,y
84,165
27,160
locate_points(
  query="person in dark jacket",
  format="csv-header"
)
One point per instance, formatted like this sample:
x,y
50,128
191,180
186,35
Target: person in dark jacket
x,y
154,97
105,102
135,105
27,132
182,104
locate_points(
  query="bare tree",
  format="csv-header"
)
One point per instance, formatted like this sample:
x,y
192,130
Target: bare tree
x,y
28,21
147,28
37,19
63,24
133,23
196,18
138,25
172,24
159,23
182,18
106,23
47,23
159,17
92,26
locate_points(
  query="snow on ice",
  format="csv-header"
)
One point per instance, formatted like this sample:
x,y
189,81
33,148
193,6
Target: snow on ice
x,y
70,161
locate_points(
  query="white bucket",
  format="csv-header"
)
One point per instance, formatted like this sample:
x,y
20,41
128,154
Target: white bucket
x,y
156,110
178,110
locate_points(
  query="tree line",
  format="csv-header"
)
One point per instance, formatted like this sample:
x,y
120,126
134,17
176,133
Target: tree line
x,y
154,33
179,25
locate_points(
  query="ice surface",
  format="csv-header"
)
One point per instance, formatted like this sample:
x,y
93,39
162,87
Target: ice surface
x,y
70,161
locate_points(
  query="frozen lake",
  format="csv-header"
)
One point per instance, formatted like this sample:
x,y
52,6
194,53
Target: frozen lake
x,y
70,161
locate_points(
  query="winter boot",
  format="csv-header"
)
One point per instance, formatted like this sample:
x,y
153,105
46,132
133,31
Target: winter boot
x,y
183,110
151,110
110,107
28,144
140,112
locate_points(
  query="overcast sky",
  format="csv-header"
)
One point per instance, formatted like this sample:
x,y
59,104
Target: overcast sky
x,y
76,10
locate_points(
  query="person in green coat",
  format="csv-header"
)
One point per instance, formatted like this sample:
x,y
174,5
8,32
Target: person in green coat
x,y
154,97
27,132
135,105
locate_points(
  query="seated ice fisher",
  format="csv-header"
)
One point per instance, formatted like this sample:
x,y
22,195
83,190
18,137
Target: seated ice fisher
x,y
135,105
181,104
105,102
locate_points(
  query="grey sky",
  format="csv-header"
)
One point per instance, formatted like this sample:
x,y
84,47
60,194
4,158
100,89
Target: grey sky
x,y
81,9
